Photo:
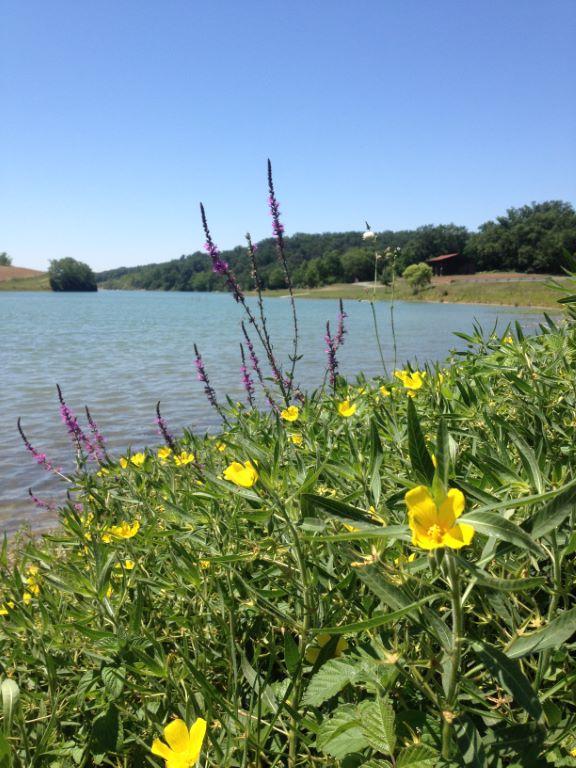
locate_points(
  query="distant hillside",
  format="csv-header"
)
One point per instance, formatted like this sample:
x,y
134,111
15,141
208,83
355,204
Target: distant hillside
x,y
17,273
21,279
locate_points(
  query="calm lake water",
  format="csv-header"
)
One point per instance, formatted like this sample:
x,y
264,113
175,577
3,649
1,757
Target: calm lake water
x,y
119,352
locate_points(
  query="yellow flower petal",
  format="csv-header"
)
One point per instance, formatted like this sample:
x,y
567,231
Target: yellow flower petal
x,y
243,475
161,749
291,413
346,409
176,734
197,733
459,536
451,508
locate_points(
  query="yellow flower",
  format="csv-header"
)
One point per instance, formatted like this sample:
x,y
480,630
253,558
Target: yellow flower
x,y
320,641
402,560
106,538
221,447
184,458
291,413
432,526
573,752
129,564
204,564
244,475
138,459
27,598
412,381
109,591
508,340
33,582
123,531
183,747
104,471
164,454
346,409
384,392
5,607
124,462
297,438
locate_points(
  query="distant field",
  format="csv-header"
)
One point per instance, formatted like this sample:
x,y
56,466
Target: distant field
x,y
22,279
489,288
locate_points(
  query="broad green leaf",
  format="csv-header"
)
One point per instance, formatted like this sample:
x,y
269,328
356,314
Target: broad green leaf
x,y
553,514
329,680
529,462
10,697
508,674
550,636
106,734
341,734
442,453
113,679
378,725
419,457
4,752
418,756
491,524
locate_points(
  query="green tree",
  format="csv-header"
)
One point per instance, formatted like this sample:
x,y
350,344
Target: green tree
x,y
71,275
5,260
418,276
430,240
357,264
534,238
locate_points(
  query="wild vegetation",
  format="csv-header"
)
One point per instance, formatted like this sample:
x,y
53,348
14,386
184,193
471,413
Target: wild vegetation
x,y
376,573
71,275
535,238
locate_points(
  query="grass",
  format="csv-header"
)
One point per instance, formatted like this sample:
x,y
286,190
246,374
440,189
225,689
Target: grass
x,y
293,604
518,293
37,283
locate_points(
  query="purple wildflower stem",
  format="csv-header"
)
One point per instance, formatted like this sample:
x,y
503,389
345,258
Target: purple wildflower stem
x,y
331,352
341,331
221,267
40,503
257,369
203,377
163,429
99,442
246,378
74,429
278,230
39,458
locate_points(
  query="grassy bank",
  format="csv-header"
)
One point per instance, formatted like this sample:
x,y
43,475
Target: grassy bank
x,y
381,575
518,293
37,283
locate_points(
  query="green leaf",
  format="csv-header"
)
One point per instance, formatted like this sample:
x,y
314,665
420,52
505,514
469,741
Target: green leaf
x,y
10,697
551,636
381,619
291,654
469,743
4,752
378,725
502,585
341,734
529,462
113,679
491,524
553,514
417,756
508,674
338,509
419,457
443,454
106,734
330,679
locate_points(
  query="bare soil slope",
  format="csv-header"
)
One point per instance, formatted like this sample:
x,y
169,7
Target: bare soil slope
x,y
17,273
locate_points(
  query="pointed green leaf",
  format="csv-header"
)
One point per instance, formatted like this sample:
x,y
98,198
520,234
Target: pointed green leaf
x,y
553,514
378,725
381,619
341,734
508,674
330,679
419,457
551,636
291,654
417,756
491,524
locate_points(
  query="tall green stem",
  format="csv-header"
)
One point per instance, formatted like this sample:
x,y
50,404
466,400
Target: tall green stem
x,y
455,655
372,307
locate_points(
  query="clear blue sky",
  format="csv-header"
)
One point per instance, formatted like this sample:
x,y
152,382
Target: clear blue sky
x,y
118,117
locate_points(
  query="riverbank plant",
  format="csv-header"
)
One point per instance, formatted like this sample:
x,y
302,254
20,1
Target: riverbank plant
x,y
376,573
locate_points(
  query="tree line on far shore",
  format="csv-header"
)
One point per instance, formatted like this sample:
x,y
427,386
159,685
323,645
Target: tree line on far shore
x,y
534,238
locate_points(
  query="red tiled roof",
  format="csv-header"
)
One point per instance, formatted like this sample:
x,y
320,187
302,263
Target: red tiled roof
x,y
443,258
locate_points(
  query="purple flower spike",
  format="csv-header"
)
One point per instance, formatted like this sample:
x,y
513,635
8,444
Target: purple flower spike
x,y
163,429
40,503
246,378
341,332
99,442
203,377
74,429
219,266
39,458
331,352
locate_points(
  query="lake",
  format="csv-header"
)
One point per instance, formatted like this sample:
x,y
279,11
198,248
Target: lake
x,y
121,351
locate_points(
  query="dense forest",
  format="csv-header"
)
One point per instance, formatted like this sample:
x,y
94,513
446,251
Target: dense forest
x,y
534,238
